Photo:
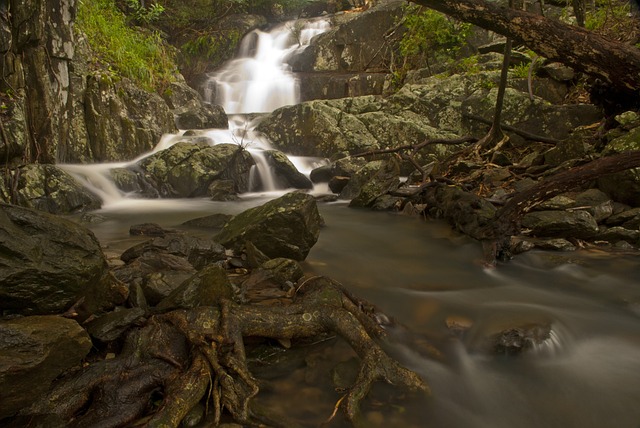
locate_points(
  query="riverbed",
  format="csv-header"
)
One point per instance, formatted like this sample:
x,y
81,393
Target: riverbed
x,y
423,275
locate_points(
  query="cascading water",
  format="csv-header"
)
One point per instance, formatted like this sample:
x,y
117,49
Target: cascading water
x,y
259,80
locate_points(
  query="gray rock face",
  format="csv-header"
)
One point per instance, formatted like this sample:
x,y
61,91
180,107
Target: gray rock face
x,y
123,121
190,111
188,170
48,263
33,352
48,188
285,173
285,227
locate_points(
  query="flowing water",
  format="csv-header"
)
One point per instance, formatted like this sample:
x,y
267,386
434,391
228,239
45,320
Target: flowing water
x,y
586,374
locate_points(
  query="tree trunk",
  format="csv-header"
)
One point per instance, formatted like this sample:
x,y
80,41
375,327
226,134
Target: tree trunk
x,y
615,63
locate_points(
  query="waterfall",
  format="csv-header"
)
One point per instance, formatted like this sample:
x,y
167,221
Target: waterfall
x,y
259,80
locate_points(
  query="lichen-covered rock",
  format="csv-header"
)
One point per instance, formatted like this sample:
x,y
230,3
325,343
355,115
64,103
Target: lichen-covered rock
x,y
189,109
386,179
48,188
33,352
188,169
49,263
284,227
123,121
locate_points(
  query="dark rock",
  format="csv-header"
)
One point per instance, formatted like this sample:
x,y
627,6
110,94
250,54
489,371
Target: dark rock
x,y
147,229
283,270
558,244
338,184
285,173
617,233
626,217
517,339
213,221
110,326
571,224
49,263
222,190
205,288
33,352
285,227
623,186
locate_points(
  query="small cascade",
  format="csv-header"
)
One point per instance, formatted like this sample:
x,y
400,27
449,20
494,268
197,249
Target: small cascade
x,y
260,80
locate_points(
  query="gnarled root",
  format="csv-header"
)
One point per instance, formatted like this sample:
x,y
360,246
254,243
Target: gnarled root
x,y
186,355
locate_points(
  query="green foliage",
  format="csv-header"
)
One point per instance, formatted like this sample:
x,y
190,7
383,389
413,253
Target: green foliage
x,y
206,49
607,14
432,36
131,52
268,7
144,15
468,65
520,70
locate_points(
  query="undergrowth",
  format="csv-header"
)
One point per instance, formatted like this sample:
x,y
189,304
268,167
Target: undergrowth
x,y
123,50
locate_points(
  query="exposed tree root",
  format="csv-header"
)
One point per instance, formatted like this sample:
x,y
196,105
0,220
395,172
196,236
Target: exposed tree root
x,y
185,356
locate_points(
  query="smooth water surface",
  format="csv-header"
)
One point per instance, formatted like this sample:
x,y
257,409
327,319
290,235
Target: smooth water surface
x,y
587,374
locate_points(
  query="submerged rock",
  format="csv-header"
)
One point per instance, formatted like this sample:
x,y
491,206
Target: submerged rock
x,y
285,227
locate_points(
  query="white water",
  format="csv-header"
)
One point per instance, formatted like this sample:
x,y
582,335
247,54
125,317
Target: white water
x,y
258,81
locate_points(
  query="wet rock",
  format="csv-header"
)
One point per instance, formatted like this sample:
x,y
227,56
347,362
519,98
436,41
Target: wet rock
x,y
188,169
468,213
338,184
517,339
205,288
49,263
48,188
283,270
147,229
110,326
129,181
189,109
344,167
572,224
284,227
222,190
359,179
628,218
617,233
285,173
198,251
383,181
213,221
559,72
558,244
33,352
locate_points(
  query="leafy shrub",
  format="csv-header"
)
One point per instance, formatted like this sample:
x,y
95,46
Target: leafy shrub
x,y
131,52
432,36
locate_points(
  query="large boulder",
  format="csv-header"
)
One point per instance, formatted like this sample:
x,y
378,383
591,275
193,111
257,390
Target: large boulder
x,y
285,174
49,263
188,169
284,227
33,352
47,188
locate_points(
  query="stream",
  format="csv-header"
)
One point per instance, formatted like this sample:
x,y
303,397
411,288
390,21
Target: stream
x,y
424,275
